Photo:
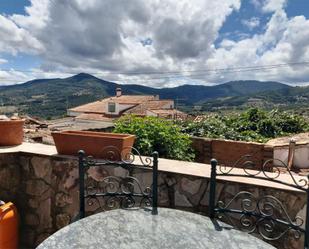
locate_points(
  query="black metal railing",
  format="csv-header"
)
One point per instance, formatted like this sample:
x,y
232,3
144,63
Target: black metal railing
x,y
112,192
264,215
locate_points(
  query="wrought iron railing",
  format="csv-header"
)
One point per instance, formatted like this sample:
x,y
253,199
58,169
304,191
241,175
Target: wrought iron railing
x,y
264,215
112,192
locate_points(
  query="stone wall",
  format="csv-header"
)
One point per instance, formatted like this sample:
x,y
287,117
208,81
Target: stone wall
x,y
227,152
45,190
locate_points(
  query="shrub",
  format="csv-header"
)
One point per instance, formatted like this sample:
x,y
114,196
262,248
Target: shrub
x,y
289,123
156,134
251,125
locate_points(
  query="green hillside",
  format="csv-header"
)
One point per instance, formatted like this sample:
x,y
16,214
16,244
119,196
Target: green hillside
x,y
293,98
50,98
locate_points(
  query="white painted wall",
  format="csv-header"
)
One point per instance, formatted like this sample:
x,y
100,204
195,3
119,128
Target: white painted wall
x,y
122,107
73,114
118,108
301,156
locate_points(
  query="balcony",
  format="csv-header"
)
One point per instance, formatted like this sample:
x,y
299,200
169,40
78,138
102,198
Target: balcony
x,y
44,187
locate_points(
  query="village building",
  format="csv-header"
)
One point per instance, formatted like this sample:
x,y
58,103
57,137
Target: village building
x,y
108,109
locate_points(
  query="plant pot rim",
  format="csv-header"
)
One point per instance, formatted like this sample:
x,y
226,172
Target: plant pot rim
x,y
93,143
12,121
92,134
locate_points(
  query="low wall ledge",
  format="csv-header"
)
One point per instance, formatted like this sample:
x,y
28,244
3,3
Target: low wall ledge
x,y
165,165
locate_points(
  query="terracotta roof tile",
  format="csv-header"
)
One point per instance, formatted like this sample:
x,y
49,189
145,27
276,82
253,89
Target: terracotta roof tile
x,y
100,106
94,116
150,105
168,111
171,113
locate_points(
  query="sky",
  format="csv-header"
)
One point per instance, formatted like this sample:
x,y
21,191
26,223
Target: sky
x,y
158,43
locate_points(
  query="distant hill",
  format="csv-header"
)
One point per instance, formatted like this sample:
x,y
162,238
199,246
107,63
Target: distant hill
x,y
51,97
293,98
194,94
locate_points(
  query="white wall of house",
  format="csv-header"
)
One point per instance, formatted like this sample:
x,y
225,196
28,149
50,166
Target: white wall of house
x,y
122,107
73,114
118,108
301,155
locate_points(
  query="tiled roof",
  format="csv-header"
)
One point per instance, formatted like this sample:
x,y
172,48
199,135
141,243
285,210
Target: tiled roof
x,y
149,105
100,106
94,116
168,111
97,107
131,99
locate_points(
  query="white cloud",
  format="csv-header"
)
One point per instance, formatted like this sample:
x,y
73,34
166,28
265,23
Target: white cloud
x,y
284,41
78,37
104,37
273,5
251,23
256,3
12,77
37,14
3,61
15,39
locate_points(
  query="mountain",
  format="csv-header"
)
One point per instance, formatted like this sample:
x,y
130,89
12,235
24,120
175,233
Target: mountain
x,y
293,98
51,97
194,94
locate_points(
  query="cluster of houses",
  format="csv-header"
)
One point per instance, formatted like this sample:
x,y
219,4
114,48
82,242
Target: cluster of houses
x,y
111,108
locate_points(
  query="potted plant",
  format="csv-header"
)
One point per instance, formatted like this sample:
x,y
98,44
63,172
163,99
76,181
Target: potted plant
x,y
110,146
11,131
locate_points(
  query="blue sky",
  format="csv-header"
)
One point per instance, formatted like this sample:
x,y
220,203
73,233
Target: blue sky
x,y
133,38
233,26
20,61
9,7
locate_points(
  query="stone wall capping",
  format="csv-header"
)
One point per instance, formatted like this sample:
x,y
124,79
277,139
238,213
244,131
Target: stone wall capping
x,y
239,142
166,165
299,145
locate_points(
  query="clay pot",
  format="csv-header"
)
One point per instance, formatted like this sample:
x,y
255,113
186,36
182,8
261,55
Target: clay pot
x,y
11,132
103,145
8,226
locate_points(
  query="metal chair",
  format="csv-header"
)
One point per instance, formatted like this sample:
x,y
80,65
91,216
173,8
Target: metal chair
x,y
111,191
264,215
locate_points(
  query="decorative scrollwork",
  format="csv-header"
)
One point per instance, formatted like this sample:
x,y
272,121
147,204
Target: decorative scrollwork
x,y
112,155
302,183
101,191
117,192
266,215
247,222
270,170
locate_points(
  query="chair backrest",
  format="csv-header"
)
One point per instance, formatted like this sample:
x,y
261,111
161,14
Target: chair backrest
x,y
265,215
107,191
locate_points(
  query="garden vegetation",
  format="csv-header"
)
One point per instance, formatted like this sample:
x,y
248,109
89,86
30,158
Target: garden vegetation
x,y
172,139
252,125
156,134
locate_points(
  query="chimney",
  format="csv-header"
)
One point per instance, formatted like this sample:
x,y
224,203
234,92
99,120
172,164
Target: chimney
x,y
118,92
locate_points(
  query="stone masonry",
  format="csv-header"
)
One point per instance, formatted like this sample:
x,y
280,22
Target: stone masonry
x,y
45,191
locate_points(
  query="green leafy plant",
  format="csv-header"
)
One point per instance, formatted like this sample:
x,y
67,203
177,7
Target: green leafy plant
x,y
252,125
156,134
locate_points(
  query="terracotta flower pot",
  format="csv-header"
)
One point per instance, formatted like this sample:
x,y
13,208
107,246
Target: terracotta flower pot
x,y
11,132
110,146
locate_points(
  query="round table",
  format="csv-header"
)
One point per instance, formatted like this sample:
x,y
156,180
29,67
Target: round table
x,y
139,229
